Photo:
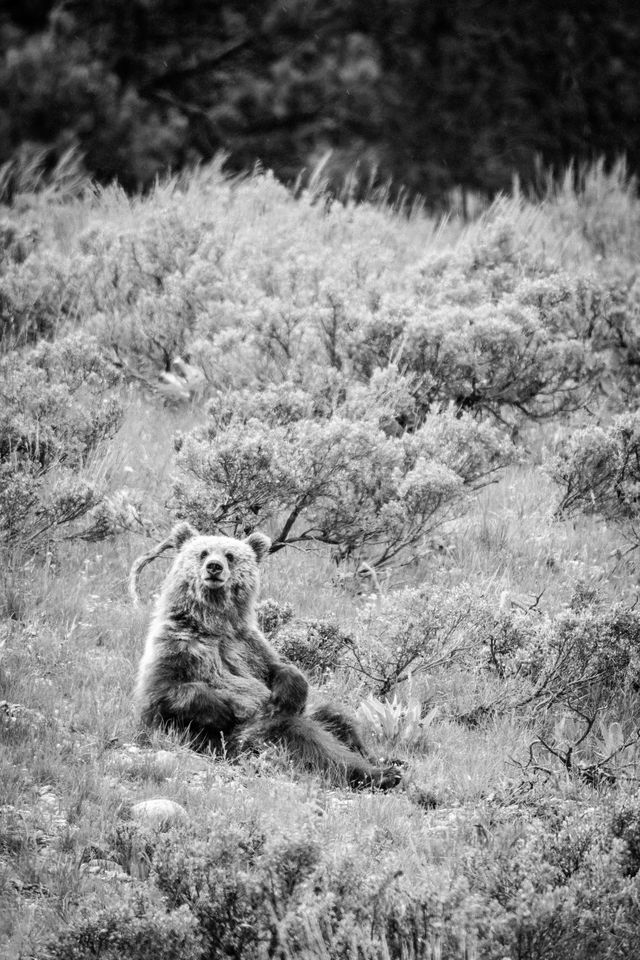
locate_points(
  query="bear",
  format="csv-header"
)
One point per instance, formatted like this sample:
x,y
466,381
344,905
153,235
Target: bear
x,y
208,672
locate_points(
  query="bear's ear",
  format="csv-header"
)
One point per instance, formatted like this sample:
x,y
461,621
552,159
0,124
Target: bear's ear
x,y
260,543
181,533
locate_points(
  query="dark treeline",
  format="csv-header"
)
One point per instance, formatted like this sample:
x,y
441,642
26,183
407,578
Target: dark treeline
x,y
432,93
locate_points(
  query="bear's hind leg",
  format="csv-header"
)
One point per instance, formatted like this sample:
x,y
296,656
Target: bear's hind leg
x,y
314,747
341,725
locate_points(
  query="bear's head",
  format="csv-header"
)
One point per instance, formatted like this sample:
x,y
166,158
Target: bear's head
x,y
215,572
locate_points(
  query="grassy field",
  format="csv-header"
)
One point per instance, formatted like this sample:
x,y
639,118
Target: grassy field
x,y
523,855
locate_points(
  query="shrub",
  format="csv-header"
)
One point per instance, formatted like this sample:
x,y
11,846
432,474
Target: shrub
x,y
625,825
35,295
58,405
340,480
556,879
135,927
417,629
239,887
38,283
484,358
580,677
490,327
316,646
16,242
151,283
285,898
575,656
598,470
558,888
272,615
255,288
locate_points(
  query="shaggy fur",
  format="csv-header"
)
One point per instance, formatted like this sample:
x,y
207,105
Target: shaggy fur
x,y
208,671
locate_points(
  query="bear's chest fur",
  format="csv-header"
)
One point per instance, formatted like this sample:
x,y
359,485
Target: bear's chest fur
x,y
204,660
207,656
240,658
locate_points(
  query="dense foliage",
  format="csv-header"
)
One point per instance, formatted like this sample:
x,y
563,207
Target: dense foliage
x,y
433,95
553,883
57,406
337,478
598,469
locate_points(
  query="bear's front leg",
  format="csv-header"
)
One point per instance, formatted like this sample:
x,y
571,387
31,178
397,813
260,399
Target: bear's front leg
x,y
289,689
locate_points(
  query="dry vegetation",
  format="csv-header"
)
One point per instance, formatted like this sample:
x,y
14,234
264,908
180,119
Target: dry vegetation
x,y
436,423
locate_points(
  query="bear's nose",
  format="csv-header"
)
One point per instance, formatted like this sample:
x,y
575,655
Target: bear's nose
x,y
213,566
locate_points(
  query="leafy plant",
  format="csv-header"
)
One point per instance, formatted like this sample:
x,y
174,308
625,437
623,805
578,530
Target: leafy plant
x,y
598,469
395,721
272,615
316,646
240,888
333,479
138,926
580,675
58,405
493,329
414,631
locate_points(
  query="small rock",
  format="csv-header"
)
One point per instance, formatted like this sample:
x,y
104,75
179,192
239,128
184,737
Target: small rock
x,y
165,761
159,812
48,799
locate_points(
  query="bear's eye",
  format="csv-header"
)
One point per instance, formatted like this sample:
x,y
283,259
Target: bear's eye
x,y
230,556
203,554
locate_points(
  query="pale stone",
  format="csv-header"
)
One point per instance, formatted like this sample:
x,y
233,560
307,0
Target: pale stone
x,y
159,812
165,761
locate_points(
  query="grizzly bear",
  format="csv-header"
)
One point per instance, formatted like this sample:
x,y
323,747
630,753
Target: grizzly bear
x,y
208,672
